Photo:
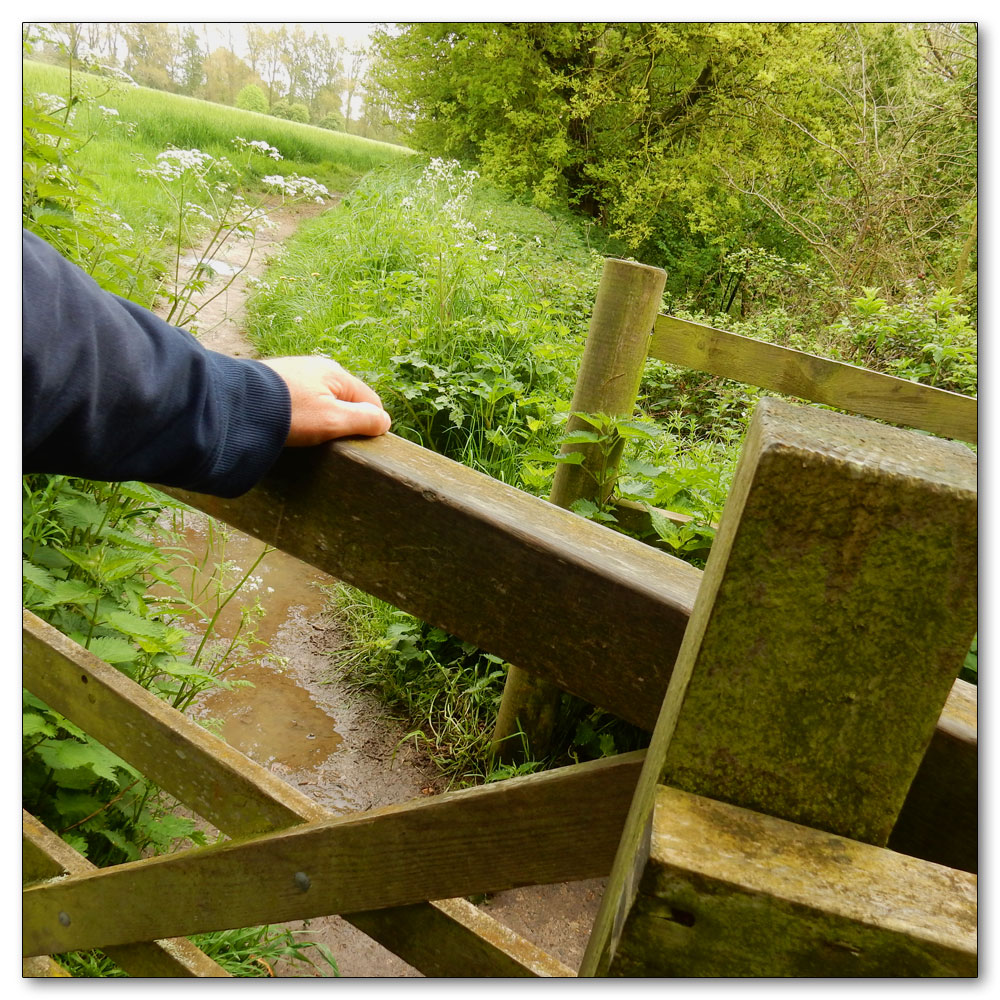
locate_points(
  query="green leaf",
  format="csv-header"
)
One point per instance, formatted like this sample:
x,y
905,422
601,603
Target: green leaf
x,y
37,576
112,649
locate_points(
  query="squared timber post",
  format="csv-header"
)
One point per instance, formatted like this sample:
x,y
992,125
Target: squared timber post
x,y
835,611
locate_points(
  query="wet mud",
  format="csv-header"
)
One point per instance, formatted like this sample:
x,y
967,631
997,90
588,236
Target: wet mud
x,y
301,718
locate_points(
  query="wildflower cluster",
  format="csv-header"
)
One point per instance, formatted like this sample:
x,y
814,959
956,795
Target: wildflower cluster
x,y
256,146
294,185
173,163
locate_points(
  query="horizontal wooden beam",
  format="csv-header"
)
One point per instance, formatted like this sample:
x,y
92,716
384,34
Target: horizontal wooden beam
x,y
731,892
819,380
599,614
242,798
939,820
46,855
454,937
556,826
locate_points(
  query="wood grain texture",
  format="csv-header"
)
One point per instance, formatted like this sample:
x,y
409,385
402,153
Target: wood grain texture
x,y
426,938
47,855
175,753
730,892
819,380
556,826
598,614
241,798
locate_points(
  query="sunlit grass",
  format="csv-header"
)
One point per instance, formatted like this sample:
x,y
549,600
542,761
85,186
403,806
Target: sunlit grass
x,y
159,120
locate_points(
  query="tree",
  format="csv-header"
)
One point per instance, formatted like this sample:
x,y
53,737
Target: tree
x,y
708,146
252,98
151,49
225,76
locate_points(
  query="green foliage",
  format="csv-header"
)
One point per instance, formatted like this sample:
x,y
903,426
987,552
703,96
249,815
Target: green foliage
x,y
714,147
925,339
250,952
252,98
332,120
468,335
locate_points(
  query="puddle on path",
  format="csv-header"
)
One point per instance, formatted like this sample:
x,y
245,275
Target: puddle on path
x,y
215,264
276,721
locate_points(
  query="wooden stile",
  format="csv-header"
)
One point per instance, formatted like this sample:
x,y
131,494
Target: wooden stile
x,y
772,705
555,826
185,760
46,855
819,380
730,892
482,560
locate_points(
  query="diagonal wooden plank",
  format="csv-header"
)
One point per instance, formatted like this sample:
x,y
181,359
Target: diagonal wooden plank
x,y
820,380
242,798
46,855
557,826
175,753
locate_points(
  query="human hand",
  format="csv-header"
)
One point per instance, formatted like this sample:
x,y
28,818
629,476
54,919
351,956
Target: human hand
x,y
327,401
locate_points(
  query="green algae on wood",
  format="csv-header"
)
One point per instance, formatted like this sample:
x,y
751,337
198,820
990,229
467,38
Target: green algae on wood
x,y
729,892
834,618
835,612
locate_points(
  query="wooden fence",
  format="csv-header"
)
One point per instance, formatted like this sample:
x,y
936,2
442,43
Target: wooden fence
x,y
807,805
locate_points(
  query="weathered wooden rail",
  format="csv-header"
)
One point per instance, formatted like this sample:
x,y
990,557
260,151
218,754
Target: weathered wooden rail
x,y
750,839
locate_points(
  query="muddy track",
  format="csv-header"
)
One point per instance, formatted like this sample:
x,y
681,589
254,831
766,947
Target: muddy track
x,y
306,723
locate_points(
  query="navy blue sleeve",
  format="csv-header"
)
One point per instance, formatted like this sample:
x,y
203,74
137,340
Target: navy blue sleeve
x,y
112,392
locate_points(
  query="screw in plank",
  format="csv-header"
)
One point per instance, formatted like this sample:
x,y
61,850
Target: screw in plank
x,y
302,881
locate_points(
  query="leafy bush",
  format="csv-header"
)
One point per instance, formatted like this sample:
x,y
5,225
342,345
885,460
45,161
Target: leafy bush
x,y
252,98
333,121
925,339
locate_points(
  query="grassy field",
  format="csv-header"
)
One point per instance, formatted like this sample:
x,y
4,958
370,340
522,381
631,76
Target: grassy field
x,y
148,121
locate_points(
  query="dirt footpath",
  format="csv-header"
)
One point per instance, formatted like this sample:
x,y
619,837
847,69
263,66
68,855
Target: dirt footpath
x,y
308,726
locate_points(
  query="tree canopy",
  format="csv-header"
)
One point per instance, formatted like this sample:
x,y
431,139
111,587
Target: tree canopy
x,y
708,147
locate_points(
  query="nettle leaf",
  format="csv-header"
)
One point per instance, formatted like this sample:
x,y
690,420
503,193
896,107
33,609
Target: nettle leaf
x,y
77,841
183,669
72,592
581,437
167,828
633,430
33,724
37,576
663,526
119,840
82,513
585,508
71,755
112,649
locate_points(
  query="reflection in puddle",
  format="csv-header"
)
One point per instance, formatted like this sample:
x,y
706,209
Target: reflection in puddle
x,y
276,720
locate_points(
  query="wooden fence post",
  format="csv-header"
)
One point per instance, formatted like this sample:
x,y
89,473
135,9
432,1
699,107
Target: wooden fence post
x,y
628,300
836,608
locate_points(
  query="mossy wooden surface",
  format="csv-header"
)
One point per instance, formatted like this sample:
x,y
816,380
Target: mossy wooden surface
x,y
843,544
556,826
46,855
558,589
819,380
838,604
730,892
186,761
